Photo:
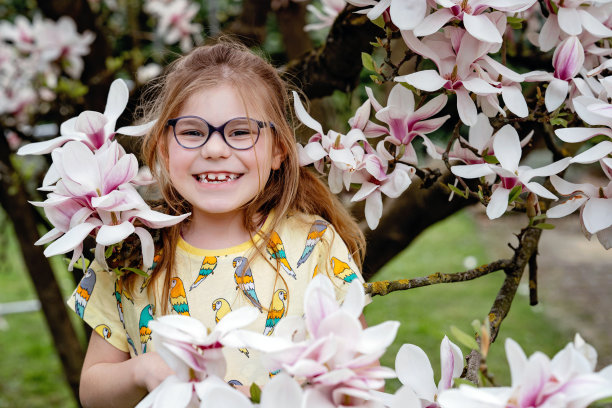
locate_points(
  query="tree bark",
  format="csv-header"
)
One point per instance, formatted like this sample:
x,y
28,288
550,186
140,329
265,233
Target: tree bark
x,y
15,202
291,21
337,64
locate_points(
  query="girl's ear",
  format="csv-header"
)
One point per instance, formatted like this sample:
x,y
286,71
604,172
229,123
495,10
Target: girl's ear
x,y
277,157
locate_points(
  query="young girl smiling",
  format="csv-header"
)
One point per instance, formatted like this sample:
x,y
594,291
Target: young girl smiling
x,y
260,227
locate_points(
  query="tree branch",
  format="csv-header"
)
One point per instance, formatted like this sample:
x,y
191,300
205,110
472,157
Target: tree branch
x,y
385,287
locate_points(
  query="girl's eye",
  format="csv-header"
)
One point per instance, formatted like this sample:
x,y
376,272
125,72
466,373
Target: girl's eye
x,y
191,133
236,133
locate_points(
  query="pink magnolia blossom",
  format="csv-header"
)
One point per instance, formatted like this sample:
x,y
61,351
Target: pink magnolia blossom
x,y
473,14
196,357
405,14
329,351
326,16
94,129
405,123
455,73
94,192
176,21
568,380
571,17
415,372
507,147
595,204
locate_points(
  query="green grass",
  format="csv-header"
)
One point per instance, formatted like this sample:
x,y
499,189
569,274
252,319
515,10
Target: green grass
x,y
31,376
426,314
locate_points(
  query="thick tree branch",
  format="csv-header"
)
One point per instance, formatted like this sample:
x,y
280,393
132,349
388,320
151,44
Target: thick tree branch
x,y
337,64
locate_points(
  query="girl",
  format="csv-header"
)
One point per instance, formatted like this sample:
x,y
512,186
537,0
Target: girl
x,y
260,227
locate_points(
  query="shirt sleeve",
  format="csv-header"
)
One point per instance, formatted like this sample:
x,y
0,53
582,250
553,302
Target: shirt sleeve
x,y
94,300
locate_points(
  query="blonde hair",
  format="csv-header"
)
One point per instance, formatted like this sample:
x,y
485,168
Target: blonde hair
x,y
289,189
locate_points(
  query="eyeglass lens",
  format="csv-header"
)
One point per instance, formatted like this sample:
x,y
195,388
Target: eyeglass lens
x,y
239,133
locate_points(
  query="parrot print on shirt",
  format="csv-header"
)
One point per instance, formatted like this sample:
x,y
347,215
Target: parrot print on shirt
x,y
317,230
83,292
244,279
147,279
131,343
103,330
117,293
221,307
145,333
276,312
276,249
209,263
342,270
178,298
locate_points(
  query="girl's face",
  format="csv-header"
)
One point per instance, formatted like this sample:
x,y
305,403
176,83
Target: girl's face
x,y
215,178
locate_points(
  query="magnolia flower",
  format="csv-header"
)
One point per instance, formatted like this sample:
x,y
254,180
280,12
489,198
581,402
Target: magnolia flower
x,y
94,192
405,14
197,360
326,17
414,370
175,21
567,380
405,124
453,59
94,129
595,204
472,12
507,147
570,17
329,350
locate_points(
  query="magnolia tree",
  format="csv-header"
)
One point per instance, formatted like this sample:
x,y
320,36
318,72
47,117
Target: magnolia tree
x,y
479,84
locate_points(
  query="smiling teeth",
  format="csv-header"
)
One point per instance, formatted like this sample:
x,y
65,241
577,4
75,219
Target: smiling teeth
x,y
216,178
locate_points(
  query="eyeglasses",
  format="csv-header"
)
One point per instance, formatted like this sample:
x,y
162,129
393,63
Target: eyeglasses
x,y
192,132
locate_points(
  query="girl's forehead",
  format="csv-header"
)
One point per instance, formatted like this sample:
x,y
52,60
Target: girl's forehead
x,y
225,100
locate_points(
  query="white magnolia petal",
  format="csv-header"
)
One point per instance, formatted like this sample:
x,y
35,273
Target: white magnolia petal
x,y
222,397
595,153
49,236
584,108
303,116
451,363
405,398
567,188
480,133
507,147
354,300
605,238
282,391
540,190
480,86
137,130
366,189
427,80
343,158
498,203
311,153
555,94
597,214
549,34
70,240
549,170
237,318
580,134
433,22
43,147
472,170
517,361
481,27
373,209
407,14
112,234
594,26
377,338
515,100
466,108
76,162
414,370
155,219
569,20
500,68
118,96
397,182
567,207
147,246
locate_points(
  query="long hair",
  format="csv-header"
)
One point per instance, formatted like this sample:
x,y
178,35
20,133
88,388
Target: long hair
x,y
289,189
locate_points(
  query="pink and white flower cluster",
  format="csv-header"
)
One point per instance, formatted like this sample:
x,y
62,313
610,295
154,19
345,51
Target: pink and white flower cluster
x,y
387,169
33,54
568,380
175,22
91,184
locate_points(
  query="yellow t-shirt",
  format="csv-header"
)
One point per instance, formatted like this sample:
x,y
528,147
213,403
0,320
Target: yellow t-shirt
x,y
210,283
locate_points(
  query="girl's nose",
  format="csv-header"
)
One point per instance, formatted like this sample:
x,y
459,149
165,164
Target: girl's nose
x,y
215,147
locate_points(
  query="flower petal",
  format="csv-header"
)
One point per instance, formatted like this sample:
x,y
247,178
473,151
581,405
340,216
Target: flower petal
x,y
414,370
507,147
118,96
481,28
303,116
70,240
597,214
407,14
555,94
595,153
427,80
472,170
498,203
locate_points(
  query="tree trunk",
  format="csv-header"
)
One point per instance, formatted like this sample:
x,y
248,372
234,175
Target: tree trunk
x,y
15,202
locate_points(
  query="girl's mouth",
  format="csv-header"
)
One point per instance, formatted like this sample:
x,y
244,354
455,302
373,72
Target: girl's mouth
x,y
216,178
